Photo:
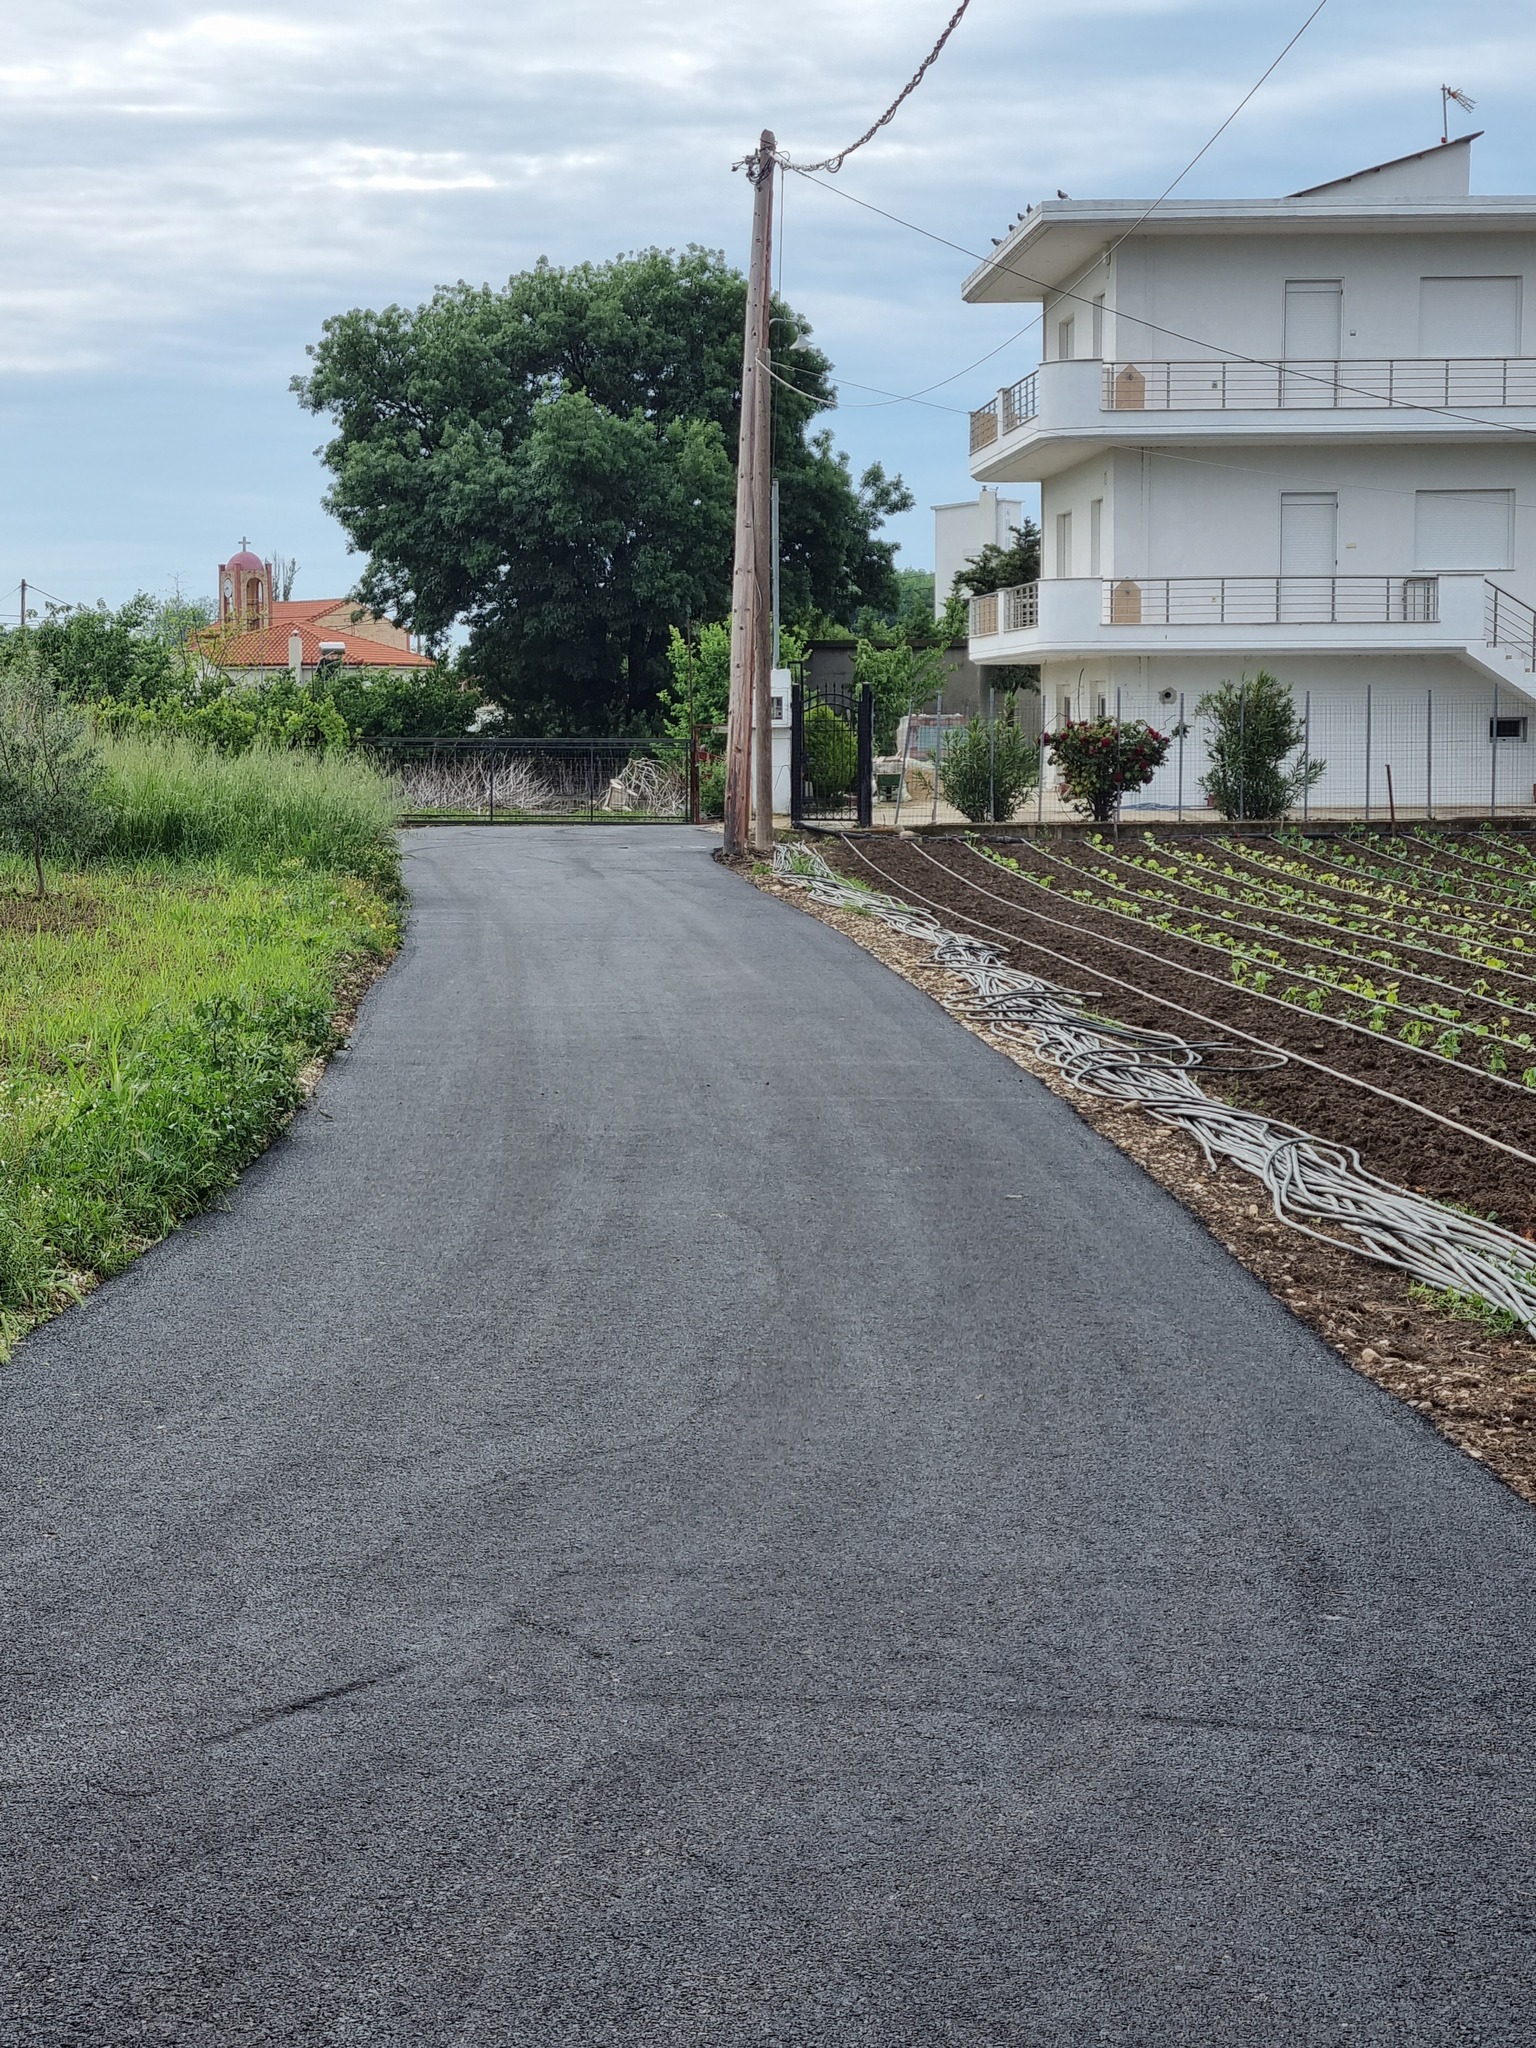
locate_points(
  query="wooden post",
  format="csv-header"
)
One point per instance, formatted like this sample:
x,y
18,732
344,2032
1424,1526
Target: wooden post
x,y
764,537
748,587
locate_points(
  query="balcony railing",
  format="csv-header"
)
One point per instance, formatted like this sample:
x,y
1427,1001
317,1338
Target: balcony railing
x,y
1509,623
1272,601
1014,610
1369,383
1013,405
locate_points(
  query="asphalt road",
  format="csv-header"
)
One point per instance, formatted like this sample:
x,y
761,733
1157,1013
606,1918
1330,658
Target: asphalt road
x,y
691,1503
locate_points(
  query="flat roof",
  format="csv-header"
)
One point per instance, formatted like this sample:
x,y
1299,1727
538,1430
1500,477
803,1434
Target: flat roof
x,y
1060,237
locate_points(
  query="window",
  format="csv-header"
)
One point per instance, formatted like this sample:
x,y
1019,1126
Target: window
x,y
1064,350
1507,728
1063,543
1464,529
1101,705
1469,316
1096,537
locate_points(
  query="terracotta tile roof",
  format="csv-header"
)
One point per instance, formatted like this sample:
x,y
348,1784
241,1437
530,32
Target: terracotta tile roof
x,y
267,647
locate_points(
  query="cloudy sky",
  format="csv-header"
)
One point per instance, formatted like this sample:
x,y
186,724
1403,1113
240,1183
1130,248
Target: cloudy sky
x,y
189,191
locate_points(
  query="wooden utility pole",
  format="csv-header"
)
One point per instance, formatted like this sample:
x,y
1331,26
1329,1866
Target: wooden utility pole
x,y
751,626
23,607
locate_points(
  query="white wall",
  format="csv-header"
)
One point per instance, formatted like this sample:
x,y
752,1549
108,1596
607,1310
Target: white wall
x,y
960,532
1219,292
1403,694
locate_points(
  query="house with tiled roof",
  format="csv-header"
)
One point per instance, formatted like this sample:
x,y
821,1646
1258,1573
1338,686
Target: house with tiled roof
x,y
258,636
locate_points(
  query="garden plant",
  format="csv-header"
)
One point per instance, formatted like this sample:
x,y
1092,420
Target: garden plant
x,y
1254,733
1099,760
987,769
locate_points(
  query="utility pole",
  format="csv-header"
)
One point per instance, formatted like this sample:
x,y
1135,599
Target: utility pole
x,y
23,608
751,626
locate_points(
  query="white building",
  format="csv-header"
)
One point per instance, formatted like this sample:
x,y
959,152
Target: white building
x,y
1291,433
960,532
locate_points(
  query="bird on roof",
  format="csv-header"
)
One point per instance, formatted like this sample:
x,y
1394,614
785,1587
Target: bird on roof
x,y
1062,195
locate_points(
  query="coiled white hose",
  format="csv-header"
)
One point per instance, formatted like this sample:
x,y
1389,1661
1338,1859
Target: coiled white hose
x,y
1318,1188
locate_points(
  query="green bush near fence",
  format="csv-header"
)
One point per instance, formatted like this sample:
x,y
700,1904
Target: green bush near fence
x,y
1254,730
831,753
987,770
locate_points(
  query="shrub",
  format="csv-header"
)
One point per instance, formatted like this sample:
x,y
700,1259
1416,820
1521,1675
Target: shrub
x,y
50,772
712,791
1254,727
986,770
1098,760
831,753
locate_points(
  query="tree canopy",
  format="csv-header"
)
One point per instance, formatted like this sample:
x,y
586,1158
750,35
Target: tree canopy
x,y
553,464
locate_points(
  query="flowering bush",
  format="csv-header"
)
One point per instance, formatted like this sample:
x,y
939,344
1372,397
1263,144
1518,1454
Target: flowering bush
x,y
1099,760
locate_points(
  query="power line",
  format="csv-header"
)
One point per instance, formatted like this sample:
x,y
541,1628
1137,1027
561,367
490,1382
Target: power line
x,y
894,398
835,163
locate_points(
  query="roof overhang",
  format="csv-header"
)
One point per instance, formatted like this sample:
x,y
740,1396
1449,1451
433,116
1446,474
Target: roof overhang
x,y
1060,239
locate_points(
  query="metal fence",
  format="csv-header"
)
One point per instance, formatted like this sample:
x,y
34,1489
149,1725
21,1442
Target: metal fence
x,y
1376,755
831,753
557,780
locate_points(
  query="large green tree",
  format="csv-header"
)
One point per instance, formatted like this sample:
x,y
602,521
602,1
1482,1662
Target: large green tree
x,y
552,464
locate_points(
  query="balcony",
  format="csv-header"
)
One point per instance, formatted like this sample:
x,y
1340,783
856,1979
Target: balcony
x,y
1065,412
1243,615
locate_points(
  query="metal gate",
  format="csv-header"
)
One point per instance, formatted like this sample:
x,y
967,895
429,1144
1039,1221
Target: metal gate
x,y
832,754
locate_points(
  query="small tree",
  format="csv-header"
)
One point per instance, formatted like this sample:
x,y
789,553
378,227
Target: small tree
x,y
50,773
1099,759
831,753
986,769
1254,728
900,677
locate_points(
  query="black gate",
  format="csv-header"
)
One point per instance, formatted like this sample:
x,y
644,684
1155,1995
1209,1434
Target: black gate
x,y
832,754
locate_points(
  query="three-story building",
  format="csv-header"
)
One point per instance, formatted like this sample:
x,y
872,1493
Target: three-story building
x,y
1291,433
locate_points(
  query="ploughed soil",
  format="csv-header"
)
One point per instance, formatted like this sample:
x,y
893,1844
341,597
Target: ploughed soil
x,y
1475,1384
1144,975
1335,928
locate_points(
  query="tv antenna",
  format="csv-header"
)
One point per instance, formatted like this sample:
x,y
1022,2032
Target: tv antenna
x,y
1447,94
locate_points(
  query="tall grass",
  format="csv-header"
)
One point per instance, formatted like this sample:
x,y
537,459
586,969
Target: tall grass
x,y
171,799
158,1008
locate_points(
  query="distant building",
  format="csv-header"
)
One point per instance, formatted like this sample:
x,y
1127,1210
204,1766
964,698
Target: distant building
x,y
259,635
960,532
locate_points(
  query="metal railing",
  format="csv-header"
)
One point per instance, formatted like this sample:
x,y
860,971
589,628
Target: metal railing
x,y
1509,623
1014,610
1012,407
555,779
1369,382
1019,402
1272,601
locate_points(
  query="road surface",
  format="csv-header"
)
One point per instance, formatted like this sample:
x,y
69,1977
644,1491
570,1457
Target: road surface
x,y
689,1502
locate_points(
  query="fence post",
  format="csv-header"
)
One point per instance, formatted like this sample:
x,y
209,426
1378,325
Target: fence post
x,y
938,755
693,775
1306,757
1040,764
797,755
1493,758
1180,810
1119,765
1367,753
991,755
493,789
591,785
866,757
1429,756
1242,750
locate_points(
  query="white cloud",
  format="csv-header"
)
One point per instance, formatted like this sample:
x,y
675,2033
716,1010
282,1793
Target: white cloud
x,y
190,189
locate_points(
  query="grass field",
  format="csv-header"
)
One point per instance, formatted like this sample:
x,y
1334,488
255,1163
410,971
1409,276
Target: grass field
x,y
159,1006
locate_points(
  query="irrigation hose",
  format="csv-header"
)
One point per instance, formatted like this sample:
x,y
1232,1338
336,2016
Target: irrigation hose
x,y
1320,1189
